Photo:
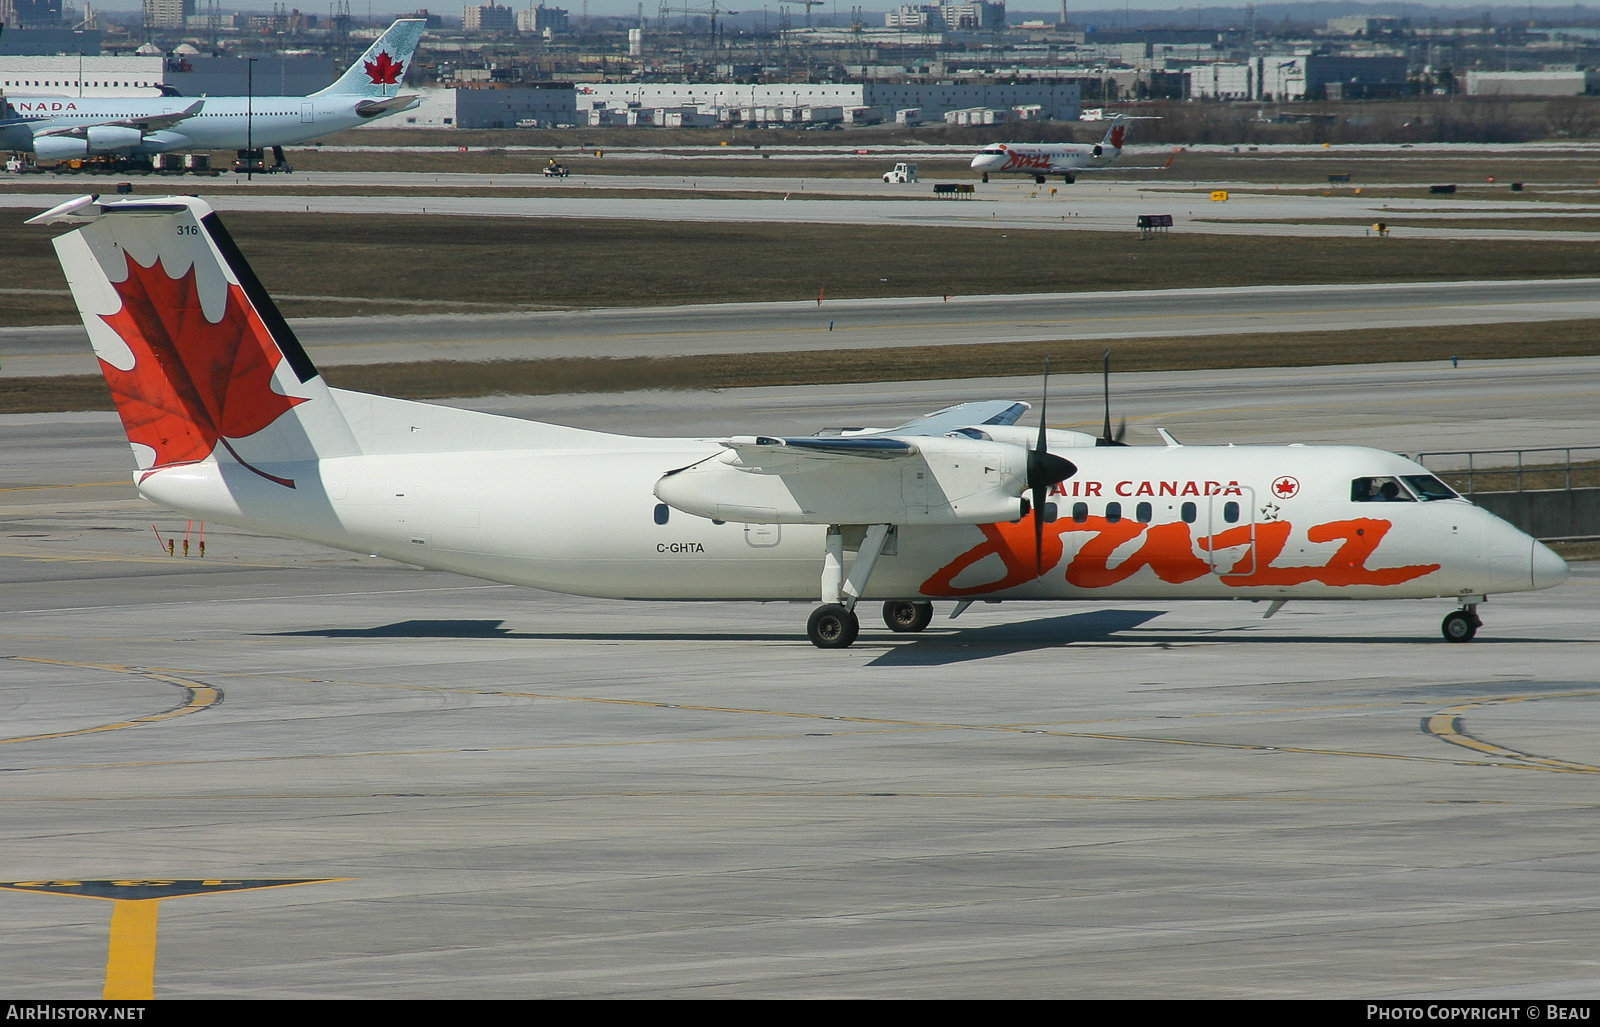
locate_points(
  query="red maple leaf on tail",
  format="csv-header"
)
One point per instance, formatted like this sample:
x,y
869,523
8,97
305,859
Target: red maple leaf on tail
x,y
194,383
385,71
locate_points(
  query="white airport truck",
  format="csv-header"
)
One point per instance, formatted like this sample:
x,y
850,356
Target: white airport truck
x,y
902,173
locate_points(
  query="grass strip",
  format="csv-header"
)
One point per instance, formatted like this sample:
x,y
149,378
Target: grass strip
x,y
437,379
542,262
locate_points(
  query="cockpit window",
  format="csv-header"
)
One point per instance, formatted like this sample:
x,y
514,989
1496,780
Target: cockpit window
x,y
1428,488
992,151
1386,489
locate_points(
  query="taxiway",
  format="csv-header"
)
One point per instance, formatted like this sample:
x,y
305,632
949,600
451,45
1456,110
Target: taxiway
x,y
514,794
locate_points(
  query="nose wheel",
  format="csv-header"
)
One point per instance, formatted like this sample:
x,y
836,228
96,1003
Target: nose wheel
x,y
1461,626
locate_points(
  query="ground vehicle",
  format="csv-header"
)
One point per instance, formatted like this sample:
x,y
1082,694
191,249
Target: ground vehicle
x,y
554,170
902,173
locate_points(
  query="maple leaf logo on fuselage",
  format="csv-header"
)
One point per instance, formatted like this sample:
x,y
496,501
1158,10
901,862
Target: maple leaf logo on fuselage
x,y
194,383
385,71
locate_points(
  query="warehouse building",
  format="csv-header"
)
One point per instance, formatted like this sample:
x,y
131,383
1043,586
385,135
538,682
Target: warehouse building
x,y
1531,83
535,105
1058,100
1294,77
155,75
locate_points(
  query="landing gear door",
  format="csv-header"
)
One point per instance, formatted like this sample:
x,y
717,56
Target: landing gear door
x,y
1235,517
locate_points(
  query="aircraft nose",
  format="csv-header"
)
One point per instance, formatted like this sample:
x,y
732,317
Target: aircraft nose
x,y
985,162
1548,570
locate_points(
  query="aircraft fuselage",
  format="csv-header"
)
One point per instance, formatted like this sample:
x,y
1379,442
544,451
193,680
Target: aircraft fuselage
x,y
1190,522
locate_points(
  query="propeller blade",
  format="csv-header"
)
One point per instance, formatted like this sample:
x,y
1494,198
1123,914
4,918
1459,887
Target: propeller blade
x,y
1040,448
1106,438
1105,379
1044,470
1044,399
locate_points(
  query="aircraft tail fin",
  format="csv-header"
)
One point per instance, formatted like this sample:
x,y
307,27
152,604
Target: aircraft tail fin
x,y
1116,134
381,70
199,360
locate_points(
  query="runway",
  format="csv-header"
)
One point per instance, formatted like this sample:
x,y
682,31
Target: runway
x,y
1112,207
711,329
514,794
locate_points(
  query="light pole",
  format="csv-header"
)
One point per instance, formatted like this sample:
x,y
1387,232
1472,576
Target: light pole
x,y
249,118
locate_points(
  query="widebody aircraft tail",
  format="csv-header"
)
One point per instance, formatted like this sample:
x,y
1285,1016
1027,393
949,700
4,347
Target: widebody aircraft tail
x,y
380,71
200,362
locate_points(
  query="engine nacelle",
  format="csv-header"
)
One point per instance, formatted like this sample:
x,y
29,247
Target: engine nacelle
x,y
943,481
109,138
60,148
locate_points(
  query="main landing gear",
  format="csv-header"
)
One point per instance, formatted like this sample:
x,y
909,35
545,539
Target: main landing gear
x,y
834,624
1462,625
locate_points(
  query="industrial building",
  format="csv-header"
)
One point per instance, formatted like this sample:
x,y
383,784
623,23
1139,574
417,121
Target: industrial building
x,y
1531,83
535,105
1301,77
1057,100
154,75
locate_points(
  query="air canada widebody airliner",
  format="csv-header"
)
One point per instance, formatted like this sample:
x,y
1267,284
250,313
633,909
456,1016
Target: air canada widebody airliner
x,y
229,421
56,128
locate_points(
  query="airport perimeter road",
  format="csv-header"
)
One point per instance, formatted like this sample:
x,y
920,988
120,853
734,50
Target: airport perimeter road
x,y
866,324
512,794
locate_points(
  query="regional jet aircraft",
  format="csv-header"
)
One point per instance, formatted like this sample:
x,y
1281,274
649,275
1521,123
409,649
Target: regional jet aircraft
x,y
1065,159
229,421
63,128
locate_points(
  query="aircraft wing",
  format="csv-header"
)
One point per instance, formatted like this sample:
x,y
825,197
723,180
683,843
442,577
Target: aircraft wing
x,y
963,415
150,123
767,454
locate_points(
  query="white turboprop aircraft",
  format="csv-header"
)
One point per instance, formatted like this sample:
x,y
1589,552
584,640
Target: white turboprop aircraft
x,y
55,128
1065,159
229,421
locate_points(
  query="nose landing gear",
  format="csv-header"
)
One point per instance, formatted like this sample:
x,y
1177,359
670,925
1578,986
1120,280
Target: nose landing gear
x,y
1462,625
833,626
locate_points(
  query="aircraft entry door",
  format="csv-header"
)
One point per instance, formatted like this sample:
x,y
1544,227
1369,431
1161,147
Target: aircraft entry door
x,y
307,113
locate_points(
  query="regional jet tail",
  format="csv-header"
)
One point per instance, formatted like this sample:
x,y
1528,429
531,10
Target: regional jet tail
x,y
67,128
1065,159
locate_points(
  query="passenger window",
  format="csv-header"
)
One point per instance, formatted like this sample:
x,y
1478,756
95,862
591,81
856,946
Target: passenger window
x,y
1113,512
1428,488
1080,512
1189,513
1050,513
1385,489
1230,512
1142,513
663,511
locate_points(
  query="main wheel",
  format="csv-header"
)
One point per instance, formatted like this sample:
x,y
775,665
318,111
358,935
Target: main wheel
x,y
1038,180
1460,626
906,615
832,627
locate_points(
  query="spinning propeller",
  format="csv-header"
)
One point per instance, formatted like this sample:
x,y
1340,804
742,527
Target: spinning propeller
x,y
1044,470
1106,438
